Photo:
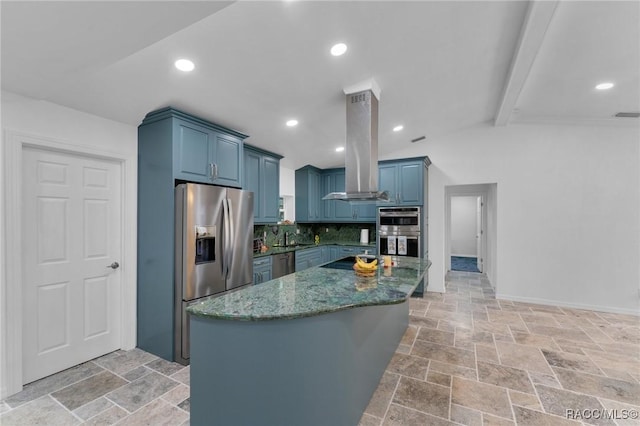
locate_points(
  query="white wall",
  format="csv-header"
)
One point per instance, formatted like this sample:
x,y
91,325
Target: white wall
x,y
463,226
70,129
568,209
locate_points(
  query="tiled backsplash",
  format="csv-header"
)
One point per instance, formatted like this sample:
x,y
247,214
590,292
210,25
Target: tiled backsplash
x,y
328,232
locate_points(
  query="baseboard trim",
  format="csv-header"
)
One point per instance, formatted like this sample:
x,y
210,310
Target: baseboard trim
x,y
464,255
599,308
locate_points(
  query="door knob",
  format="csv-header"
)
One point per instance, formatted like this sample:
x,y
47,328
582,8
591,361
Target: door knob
x,y
114,265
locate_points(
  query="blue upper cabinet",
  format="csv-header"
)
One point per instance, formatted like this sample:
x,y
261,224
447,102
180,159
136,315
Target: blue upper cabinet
x,y
207,156
202,151
192,151
405,180
309,203
388,180
227,160
262,176
335,211
333,180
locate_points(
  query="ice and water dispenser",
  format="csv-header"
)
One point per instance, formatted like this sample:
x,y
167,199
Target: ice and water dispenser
x,y
205,244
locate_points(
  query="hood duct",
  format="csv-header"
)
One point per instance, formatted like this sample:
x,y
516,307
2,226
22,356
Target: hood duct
x,y
361,153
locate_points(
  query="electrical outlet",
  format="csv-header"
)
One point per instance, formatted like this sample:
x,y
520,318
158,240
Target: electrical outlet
x,y
326,230
297,231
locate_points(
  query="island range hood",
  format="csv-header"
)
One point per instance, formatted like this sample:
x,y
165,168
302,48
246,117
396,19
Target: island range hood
x,y
361,151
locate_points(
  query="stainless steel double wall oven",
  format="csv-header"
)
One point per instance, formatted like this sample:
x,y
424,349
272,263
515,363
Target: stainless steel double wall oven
x,y
399,231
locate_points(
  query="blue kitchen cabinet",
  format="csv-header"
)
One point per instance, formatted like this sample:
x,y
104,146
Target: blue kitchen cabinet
x,y
261,269
205,154
334,253
328,206
345,251
308,195
172,146
365,212
325,254
405,180
342,211
308,258
262,176
335,210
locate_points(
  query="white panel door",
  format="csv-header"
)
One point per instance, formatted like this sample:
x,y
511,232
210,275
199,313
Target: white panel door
x,y
71,236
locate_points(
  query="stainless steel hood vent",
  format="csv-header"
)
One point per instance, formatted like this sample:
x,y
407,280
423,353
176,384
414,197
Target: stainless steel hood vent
x,y
361,153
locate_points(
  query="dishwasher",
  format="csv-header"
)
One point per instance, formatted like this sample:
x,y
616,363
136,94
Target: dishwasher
x,y
283,264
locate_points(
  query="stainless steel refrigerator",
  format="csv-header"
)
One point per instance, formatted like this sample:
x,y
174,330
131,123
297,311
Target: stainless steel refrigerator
x,y
214,249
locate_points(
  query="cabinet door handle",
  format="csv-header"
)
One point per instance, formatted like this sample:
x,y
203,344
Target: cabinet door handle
x,y
214,171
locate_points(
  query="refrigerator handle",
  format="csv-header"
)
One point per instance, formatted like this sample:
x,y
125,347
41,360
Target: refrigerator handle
x,y
231,235
225,240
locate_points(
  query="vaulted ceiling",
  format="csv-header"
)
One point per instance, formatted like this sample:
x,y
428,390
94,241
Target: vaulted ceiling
x,y
441,66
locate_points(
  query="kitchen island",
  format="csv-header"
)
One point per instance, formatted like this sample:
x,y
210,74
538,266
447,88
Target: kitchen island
x,y
308,348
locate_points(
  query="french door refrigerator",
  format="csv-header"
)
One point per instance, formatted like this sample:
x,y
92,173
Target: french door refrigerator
x,y
214,249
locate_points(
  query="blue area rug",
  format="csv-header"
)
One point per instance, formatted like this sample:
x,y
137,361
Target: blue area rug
x,y
467,264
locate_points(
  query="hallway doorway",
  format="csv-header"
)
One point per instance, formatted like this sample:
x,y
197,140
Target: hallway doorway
x,y
466,233
470,229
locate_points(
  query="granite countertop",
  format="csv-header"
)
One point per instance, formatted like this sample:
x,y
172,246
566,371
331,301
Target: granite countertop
x,y
314,291
301,246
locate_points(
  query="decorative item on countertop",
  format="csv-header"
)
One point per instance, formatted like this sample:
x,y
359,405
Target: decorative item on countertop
x,y
365,266
365,283
317,239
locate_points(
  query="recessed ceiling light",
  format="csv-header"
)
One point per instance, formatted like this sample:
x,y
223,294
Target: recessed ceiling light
x,y
338,49
184,65
340,149
292,123
604,86
398,128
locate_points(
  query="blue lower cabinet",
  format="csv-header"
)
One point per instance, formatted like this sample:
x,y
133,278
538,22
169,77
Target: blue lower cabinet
x,y
345,251
261,269
326,254
308,258
334,253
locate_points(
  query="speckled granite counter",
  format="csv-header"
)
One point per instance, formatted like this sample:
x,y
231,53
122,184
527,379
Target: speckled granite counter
x,y
305,349
315,291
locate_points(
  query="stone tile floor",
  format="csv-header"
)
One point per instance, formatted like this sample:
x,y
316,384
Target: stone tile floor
x,y
470,359
123,387
466,359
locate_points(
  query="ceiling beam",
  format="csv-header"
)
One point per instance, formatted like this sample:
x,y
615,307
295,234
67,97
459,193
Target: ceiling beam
x,y
534,29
